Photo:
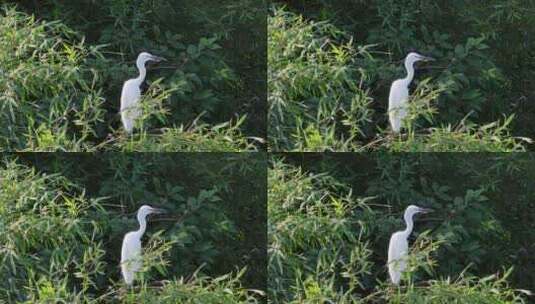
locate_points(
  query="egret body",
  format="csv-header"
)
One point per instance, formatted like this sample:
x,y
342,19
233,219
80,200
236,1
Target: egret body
x,y
399,245
131,251
399,92
131,92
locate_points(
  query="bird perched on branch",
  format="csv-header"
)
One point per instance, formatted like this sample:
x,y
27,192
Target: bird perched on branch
x,y
398,101
398,247
131,259
131,93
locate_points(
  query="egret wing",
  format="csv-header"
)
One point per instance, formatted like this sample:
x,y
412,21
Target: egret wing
x,y
398,104
130,97
130,257
397,256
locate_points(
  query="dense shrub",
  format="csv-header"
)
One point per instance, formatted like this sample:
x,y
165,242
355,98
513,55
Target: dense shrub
x,y
312,93
315,247
33,209
49,99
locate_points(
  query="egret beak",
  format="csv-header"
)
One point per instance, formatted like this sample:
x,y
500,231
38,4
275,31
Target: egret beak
x,y
425,210
158,211
428,58
158,59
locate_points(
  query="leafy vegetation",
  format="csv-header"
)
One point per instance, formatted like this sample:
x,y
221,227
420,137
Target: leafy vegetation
x,y
331,217
63,65
62,219
330,71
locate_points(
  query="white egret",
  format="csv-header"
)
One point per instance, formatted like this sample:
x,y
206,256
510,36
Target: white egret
x,y
399,245
131,251
399,92
131,92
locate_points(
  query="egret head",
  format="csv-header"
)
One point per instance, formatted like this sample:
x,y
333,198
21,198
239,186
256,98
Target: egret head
x,y
415,57
412,210
145,57
146,210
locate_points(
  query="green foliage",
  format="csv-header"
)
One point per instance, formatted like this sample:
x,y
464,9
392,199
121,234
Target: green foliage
x,y
197,290
314,246
312,93
49,99
320,51
62,220
493,137
492,289
225,137
33,209
329,226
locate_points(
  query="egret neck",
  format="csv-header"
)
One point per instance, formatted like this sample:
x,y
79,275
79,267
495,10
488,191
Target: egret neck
x,y
142,225
409,223
142,72
409,66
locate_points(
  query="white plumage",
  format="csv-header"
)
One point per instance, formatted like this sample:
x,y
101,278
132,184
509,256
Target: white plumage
x,y
131,256
397,256
131,253
398,248
131,92
399,93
